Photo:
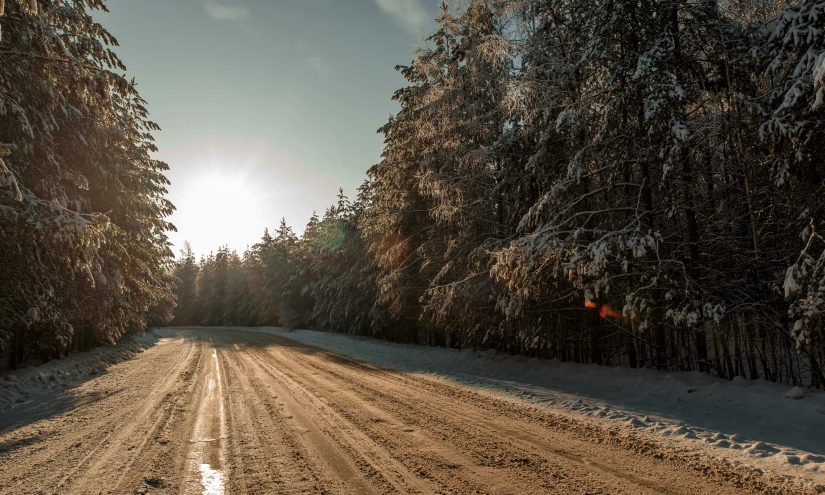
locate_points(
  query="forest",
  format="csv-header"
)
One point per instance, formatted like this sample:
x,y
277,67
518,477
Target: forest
x,y
613,182
84,256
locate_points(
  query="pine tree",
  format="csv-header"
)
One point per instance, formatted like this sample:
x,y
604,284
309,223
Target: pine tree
x,y
612,184
82,207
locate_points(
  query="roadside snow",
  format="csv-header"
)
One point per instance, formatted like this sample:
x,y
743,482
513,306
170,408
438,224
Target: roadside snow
x,y
750,422
795,393
34,382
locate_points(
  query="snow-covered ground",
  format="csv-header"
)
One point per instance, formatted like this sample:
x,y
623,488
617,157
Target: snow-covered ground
x,y
748,422
47,380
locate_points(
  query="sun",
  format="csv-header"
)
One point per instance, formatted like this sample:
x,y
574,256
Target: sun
x,y
218,208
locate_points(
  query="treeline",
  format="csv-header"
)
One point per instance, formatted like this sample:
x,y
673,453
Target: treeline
x,y
623,183
84,256
319,280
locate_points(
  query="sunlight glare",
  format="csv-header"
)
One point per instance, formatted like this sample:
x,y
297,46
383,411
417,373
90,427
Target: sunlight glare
x,y
217,208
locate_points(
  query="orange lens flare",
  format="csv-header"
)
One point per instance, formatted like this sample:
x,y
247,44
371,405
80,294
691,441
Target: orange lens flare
x,y
604,311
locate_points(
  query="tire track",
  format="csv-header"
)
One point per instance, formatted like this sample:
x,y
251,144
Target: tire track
x,y
82,438
531,455
157,412
206,469
265,451
444,447
332,442
420,451
296,419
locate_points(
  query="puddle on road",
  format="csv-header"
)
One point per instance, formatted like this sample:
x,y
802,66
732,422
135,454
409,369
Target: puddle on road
x,y
206,475
212,480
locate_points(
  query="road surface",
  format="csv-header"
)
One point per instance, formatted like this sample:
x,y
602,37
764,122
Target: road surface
x,y
219,411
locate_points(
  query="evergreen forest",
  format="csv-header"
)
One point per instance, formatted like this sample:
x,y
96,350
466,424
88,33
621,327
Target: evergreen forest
x,y
625,183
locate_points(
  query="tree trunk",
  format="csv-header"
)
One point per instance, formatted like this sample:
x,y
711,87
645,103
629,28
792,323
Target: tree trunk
x,y
717,356
631,352
702,350
659,339
752,352
13,346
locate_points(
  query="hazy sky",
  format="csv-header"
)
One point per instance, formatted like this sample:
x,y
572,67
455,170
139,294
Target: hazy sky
x,y
266,106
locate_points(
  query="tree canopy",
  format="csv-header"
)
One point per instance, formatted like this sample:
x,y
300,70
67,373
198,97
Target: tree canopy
x,y
84,256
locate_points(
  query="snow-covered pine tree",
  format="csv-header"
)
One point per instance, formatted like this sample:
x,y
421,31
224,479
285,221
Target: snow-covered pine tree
x,y
82,203
186,275
612,183
794,129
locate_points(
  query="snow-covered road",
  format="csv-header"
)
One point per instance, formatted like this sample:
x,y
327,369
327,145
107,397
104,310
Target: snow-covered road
x,y
750,423
228,411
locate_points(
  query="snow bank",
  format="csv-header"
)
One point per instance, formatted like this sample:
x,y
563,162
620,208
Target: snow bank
x,y
33,382
751,422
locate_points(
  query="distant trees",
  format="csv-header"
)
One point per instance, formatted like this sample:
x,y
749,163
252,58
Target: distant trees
x,y
621,183
83,250
321,279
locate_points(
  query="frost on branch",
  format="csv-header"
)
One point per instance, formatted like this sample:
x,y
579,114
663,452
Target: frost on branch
x,y
796,47
8,180
805,290
82,212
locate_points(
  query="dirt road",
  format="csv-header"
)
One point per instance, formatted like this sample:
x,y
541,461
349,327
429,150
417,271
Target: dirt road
x,y
216,411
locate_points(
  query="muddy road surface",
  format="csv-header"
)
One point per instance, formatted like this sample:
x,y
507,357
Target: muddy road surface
x,y
219,411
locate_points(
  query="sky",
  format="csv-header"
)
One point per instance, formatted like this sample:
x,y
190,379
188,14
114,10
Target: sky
x,y
266,107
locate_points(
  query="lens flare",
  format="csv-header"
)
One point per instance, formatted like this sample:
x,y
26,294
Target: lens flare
x,y
604,311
